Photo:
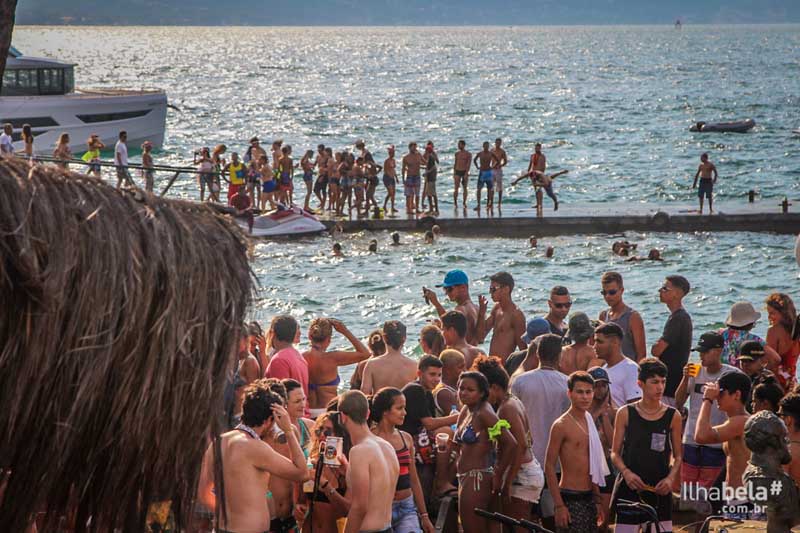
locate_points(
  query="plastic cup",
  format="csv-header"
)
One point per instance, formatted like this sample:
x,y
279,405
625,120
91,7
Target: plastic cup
x,y
694,369
441,441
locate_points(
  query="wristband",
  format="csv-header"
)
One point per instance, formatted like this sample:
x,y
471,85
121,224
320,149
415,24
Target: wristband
x,y
708,400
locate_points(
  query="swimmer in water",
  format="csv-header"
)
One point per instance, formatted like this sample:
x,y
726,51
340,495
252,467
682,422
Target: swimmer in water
x,y
550,251
373,246
437,231
429,238
653,255
622,248
337,250
395,238
533,241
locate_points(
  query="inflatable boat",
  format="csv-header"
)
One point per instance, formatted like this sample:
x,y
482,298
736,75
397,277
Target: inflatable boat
x,y
284,222
740,126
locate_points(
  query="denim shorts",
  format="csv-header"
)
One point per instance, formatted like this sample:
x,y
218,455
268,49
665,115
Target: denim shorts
x,y
404,516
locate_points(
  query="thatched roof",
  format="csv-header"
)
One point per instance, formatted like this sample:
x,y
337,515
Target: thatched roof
x,y
119,320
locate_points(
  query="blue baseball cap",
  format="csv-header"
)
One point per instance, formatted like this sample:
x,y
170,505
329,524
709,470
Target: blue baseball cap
x,y
453,278
599,374
536,327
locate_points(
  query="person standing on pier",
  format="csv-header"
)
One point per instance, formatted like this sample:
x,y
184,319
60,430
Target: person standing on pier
x,y
431,160
121,159
485,175
321,185
461,163
501,160
148,174
705,172
411,178
307,166
390,179
286,166
538,163
236,176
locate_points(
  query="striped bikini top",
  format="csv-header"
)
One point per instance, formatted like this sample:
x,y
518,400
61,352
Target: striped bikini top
x,y
404,458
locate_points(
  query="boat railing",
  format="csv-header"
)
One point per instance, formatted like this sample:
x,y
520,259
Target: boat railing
x,y
177,171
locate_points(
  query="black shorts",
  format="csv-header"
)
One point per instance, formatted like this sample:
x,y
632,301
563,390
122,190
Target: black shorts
x,y
662,504
283,525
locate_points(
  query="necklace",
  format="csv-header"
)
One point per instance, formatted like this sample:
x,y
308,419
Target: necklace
x,y
645,411
577,423
247,429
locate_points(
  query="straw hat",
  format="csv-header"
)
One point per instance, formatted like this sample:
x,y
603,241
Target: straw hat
x,y
742,314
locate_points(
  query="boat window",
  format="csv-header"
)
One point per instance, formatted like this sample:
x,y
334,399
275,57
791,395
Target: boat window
x,y
35,122
20,82
108,117
51,81
69,80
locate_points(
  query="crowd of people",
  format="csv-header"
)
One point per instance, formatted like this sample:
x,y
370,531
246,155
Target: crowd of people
x,y
342,181
560,420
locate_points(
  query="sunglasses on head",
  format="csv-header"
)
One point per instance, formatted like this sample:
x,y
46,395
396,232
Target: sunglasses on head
x,y
609,292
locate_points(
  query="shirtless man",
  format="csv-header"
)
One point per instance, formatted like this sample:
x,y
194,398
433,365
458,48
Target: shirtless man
x,y
456,286
454,329
321,185
538,162
286,175
731,393
500,160
247,463
461,163
575,497
391,369
333,179
371,170
485,175
578,355
707,173
373,472
412,178
390,179
506,319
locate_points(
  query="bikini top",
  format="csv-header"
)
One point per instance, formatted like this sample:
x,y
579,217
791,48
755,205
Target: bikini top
x,y
467,435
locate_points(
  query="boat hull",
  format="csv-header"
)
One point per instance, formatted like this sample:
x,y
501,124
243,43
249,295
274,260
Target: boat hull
x,y
740,126
142,114
287,222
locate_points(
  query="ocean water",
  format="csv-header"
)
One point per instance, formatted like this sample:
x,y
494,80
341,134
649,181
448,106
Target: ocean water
x,y
611,104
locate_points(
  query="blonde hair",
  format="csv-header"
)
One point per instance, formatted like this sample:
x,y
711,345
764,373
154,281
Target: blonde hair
x,y
320,330
451,357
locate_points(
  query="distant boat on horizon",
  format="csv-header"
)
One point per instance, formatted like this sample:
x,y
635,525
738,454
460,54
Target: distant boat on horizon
x,y
41,92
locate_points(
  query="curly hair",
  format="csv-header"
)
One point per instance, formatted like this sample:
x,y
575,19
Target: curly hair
x,y
492,368
258,401
382,401
320,330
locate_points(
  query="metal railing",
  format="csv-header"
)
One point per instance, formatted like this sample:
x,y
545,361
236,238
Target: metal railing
x,y
99,163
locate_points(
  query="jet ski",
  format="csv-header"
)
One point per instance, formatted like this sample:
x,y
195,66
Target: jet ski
x,y
739,126
283,222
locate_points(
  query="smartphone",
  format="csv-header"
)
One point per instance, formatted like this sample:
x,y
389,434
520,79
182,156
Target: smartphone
x,y
425,295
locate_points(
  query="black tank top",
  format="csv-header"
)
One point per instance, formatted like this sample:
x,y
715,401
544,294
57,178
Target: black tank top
x,y
647,448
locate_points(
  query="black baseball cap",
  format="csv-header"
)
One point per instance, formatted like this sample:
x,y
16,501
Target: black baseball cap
x,y
708,341
750,351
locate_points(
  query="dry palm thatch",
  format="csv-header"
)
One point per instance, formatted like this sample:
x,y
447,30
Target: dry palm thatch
x,y
119,320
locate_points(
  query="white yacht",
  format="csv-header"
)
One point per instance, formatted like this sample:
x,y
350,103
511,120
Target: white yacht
x,y
41,92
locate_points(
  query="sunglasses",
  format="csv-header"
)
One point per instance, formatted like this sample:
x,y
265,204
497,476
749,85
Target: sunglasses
x,y
448,289
566,305
664,288
494,289
610,292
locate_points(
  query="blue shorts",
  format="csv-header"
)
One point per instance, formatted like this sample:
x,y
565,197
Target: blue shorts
x,y
706,188
486,177
404,516
268,186
411,185
308,176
